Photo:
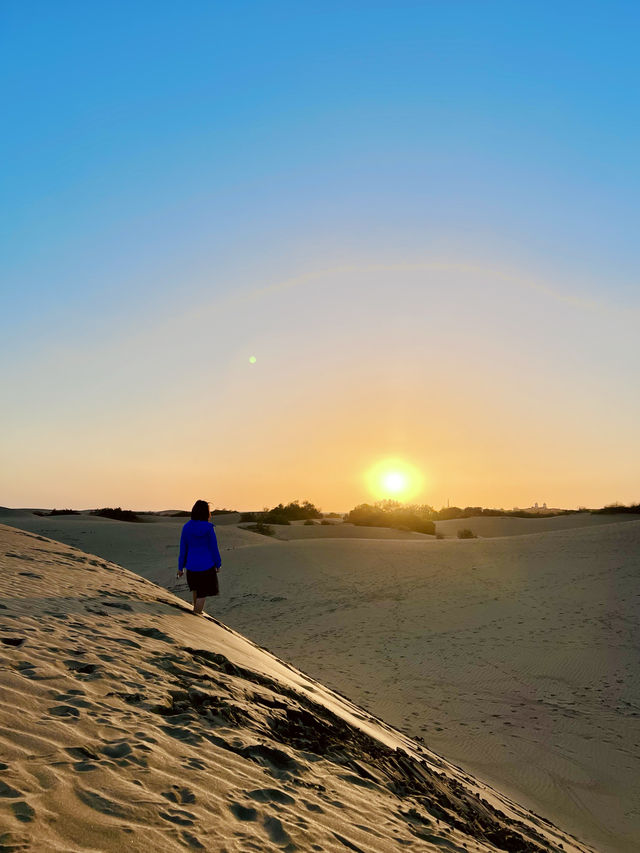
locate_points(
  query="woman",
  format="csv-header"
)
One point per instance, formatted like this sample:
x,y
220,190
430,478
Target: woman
x,y
200,555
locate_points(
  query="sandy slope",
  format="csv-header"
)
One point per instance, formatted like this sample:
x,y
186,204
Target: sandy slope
x,y
516,657
128,723
487,526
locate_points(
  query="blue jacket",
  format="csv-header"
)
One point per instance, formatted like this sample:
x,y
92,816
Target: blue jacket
x,y
198,547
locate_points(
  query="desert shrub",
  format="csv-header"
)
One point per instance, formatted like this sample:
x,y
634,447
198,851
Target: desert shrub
x,y
324,521
186,513
293,511
309,523
465,533
116,513
439,535
261,527
395,515
284,514
274,518
616,509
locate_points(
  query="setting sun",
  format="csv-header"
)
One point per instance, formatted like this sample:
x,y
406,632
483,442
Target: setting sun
x,y
395,482
394,478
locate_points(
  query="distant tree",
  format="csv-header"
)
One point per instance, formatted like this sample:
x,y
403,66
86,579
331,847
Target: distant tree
x,y
293,511
393,514
448,512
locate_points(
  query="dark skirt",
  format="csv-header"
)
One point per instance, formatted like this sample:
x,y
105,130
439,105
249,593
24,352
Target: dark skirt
x,y
203,583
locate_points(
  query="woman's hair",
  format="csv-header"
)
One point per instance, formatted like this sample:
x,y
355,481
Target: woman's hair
x,y
200,511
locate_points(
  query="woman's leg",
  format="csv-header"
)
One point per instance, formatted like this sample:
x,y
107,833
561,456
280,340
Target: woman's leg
x,y
195,597
199,605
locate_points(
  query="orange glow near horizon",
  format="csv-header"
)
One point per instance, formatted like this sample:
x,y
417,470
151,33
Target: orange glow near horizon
x,y
394,479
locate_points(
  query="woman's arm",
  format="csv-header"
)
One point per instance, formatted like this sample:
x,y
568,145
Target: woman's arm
x,y
184,548
215,553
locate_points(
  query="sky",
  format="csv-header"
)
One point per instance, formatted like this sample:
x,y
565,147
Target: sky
x,y
255,251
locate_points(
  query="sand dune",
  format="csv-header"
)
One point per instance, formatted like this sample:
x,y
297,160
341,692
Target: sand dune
x,y
128,723
488,526
516,657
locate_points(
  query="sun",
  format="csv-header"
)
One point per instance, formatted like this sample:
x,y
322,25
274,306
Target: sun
x,y
394,479
395,482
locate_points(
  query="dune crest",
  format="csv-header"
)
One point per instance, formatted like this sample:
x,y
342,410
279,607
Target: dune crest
x,y
127,722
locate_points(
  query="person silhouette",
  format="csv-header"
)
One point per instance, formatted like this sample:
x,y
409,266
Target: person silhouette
x,y
200,555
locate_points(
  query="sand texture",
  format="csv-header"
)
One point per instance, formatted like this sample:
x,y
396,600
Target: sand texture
x,y
127,723
516,657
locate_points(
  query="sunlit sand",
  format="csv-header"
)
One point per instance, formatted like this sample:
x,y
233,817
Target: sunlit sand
x,y
515,657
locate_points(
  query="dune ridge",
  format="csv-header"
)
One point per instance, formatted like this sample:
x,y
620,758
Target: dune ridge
x,y
126,722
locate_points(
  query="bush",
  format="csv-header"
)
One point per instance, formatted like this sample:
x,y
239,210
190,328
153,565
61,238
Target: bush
x,y
260,527
116,513
309,523
293,511
465,533
324,521
395,515
58,512
616,509
282,514
439,535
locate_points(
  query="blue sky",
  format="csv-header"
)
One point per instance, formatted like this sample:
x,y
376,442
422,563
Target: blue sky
x,y
161,156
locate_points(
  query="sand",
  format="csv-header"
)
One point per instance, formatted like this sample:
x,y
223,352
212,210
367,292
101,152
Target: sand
x,y
516,657
492,526
126,722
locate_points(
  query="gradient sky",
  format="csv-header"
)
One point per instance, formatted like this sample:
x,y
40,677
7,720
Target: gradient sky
x,y
420,218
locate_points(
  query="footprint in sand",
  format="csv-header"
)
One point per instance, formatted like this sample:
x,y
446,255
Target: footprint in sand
x,y
154,633
79,666
179,816
8,791
182,796
243,812
23,812
64,711
118,605
191,841
101,804
271,795
116,750
13,641
277,832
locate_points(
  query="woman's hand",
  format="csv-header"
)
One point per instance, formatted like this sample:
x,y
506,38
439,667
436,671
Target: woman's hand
x,y
180,573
